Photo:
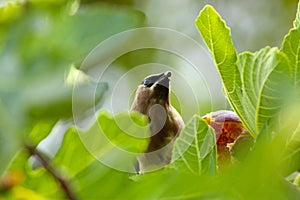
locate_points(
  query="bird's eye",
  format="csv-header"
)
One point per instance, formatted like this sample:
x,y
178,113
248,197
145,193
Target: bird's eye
x,y
147,83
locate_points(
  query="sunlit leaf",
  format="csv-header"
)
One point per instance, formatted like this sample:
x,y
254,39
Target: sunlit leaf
x,y
258,84
40,131
109,141
71,146
195,148
265,84
291,47
288,128
125,131
297,20
98,181
112,137
289,122
218,39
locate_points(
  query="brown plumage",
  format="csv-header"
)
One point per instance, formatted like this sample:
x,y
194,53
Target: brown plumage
x,y
152,99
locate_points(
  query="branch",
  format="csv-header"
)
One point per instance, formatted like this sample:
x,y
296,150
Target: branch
x,y
63,183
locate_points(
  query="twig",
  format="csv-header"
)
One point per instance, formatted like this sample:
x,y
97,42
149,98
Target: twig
x,y
63,183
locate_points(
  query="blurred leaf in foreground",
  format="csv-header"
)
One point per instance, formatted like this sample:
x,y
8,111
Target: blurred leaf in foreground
x,y
39,41
114,137
38,182
195,149
287,128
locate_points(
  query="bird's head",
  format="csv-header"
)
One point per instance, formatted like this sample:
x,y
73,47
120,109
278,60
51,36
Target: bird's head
x,y
154,89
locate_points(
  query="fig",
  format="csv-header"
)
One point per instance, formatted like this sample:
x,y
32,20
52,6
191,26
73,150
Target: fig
x,y
233,140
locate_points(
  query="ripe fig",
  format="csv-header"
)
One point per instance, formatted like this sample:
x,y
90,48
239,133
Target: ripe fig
x,y
230,135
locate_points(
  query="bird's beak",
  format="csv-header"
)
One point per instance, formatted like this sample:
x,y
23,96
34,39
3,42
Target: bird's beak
x,y
163,80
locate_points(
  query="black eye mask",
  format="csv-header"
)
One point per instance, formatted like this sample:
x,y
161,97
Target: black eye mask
x,y
150,80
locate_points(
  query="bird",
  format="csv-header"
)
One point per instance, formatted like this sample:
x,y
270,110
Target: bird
x,y
152,99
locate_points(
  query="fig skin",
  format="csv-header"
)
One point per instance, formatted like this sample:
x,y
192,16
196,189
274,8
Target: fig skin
x,y
228,128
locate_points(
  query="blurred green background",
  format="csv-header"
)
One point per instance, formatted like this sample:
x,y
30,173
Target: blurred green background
x,y
253,24
43,42
40,41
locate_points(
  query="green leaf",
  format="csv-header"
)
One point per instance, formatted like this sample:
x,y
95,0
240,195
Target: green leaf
x,y
265,85
71,146
195,149
101,151
126,131
241,147
78,162
257,85
288,125
291,161
218,39
10,137
297,20
98,181
121,136
291,47
38,181
40,131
